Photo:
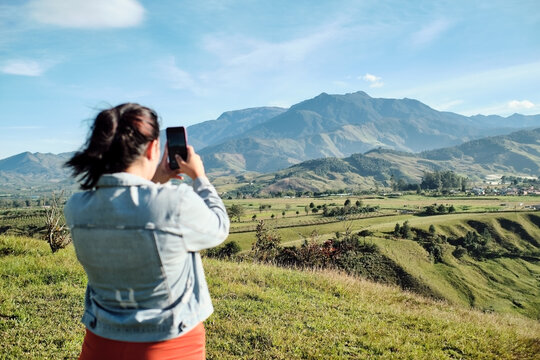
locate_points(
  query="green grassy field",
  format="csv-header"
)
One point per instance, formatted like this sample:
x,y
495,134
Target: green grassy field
x,y
502,284
261,312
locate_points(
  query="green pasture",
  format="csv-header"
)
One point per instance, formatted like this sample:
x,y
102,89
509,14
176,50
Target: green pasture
x,y
261,312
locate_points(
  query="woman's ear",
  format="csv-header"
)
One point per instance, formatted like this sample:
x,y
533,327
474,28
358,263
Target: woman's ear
x,y
152,150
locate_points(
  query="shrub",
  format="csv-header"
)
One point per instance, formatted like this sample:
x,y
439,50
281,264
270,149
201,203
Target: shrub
x,y
225,251
57,233
459,252
267,245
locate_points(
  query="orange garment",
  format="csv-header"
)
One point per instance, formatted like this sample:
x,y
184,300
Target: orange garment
x,y
190,346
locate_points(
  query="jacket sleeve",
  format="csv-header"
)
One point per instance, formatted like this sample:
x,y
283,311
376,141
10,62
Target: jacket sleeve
x,y
204,219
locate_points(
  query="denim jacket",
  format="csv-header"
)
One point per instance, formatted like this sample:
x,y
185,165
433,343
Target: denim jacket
x,y
138,243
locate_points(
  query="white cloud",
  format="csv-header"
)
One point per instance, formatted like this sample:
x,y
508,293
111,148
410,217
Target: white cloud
x,y
178,79
339,83
523,104
430,32
89,14
374,81
249,53
470,85
23,67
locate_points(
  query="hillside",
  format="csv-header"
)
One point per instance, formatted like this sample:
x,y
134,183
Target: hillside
x,y
34,171
228,125
270,139
341,125
261,312
497,272
506,280
516,154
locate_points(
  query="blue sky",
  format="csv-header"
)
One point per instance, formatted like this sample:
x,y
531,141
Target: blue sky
x,y
63,60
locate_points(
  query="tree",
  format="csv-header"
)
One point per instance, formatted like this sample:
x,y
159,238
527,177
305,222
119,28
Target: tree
x,y
441,209
358,203
311,205
397,230
459,252
306,209
432,230
254,217
430,210
406,231
267,244
283,213
347,202
365,233
236,210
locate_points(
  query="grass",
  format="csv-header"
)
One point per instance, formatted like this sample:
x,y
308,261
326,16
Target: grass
x,y
507,285
261,312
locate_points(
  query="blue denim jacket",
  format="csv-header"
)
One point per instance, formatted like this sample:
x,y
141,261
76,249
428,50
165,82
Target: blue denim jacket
x,y
138,243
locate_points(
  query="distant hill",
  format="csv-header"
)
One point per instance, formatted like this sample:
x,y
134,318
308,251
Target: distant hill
x,y
514,154
341,125
229,125
34,171
408,136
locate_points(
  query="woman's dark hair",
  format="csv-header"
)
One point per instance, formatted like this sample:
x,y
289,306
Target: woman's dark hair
x,y
117,138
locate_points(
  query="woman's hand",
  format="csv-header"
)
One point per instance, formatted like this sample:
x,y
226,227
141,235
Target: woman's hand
x,y
163,172
193,166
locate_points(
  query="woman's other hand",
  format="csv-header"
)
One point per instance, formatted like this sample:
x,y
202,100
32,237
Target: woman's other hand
x,y
193,166
163,172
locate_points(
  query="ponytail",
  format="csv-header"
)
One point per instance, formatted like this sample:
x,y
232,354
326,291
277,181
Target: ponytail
x,y
117,138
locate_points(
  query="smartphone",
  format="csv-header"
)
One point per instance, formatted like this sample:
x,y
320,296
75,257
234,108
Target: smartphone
x,y
176,144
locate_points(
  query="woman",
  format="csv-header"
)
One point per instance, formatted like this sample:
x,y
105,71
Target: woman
x,y
138,237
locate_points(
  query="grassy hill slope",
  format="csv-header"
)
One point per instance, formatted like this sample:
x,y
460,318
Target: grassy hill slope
x,y
516,154
506,281
261,312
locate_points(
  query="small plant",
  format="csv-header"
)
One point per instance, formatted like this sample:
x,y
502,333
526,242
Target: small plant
x,y
226,251
267,245
57,233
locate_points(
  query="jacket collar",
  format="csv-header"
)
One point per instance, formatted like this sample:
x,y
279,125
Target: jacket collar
x,y
122,179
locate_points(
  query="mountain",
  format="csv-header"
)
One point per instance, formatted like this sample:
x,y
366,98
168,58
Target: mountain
x,y
34,171
517,120
341,125
405,133
228,125
515,154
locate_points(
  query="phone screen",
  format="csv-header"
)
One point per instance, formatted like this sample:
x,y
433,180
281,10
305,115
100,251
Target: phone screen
x,y
176,144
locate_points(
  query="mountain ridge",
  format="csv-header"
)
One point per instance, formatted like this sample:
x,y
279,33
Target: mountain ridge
x,y
515,154
268,139
340,125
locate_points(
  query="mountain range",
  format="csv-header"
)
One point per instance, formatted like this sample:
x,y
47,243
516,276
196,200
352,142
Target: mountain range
x,y
517,153
342,125
402,137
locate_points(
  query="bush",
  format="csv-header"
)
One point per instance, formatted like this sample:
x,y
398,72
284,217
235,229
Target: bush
x,y
459,252
57,233
225,251
267,245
